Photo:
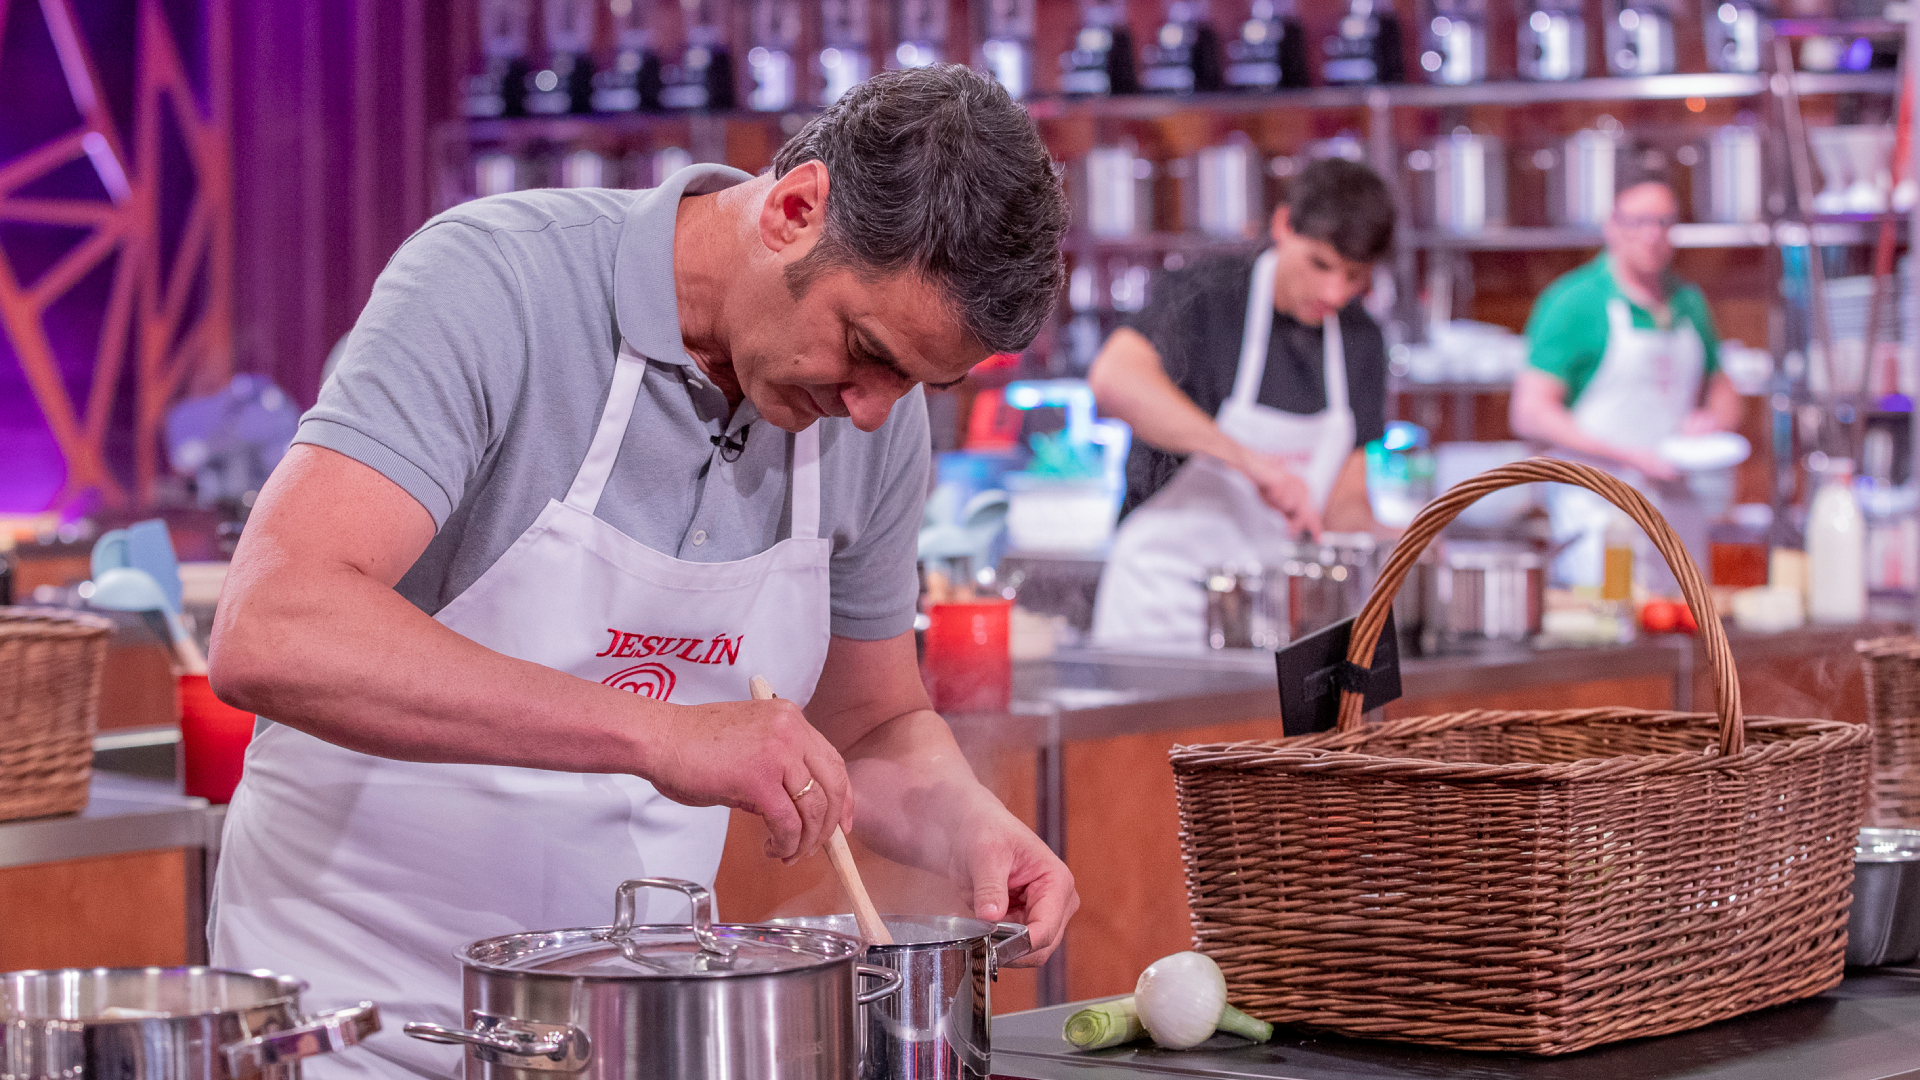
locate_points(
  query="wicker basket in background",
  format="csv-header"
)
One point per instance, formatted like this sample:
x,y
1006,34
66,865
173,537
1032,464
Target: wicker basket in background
x,y
50,664
1538,881
1893,710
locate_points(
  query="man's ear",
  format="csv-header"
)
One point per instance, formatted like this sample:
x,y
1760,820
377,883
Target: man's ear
x,y
794,214
1280,226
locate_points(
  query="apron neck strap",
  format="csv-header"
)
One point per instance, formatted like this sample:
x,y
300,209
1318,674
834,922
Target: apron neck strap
x,y
629,370
806,484
1259,326
1334,354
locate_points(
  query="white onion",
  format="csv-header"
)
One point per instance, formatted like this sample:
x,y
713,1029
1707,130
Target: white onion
x,y
1179,998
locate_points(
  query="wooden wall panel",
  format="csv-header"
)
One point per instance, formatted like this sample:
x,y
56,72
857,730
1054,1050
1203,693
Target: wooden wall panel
x,y
128,910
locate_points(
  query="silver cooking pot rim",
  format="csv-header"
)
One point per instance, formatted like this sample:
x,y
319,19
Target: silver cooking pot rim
x,y
699,949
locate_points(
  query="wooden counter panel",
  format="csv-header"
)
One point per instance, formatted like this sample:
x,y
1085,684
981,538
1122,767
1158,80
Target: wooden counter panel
x,y
130,910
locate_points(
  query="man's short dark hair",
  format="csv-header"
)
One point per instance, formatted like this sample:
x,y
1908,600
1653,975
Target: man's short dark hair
x,y
1641,165
1345,204
936,171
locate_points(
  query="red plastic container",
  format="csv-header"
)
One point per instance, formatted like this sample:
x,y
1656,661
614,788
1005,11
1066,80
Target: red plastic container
x,y
213,741
967,667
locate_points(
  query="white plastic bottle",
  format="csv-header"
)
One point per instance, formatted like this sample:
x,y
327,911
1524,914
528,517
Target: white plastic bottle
x,y
1836,550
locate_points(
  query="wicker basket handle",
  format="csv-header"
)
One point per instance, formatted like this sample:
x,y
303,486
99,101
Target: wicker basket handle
x,y
1441,511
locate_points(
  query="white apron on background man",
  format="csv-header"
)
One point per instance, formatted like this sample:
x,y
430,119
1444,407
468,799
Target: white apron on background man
x,y
362,874
1647,383
1209,514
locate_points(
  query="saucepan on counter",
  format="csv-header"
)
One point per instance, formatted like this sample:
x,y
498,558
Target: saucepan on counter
x,y
166,1023
937,1027
1313,584
1883,925
664,1002
1463,593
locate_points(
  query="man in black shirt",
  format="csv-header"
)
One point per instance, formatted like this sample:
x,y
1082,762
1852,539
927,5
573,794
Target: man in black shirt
x,y
1249,418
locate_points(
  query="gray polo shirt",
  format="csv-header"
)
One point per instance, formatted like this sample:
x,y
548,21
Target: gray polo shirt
x,y
480,366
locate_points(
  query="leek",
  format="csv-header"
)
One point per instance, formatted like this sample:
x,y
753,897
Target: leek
x,y
1109,1023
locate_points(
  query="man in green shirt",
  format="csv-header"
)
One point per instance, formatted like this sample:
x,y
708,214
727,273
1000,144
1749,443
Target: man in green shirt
x,y
1623,356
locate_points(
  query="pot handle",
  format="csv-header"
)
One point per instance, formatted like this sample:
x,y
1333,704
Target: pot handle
x,y
890,982
322,1033
1007,943
701,921
517,1044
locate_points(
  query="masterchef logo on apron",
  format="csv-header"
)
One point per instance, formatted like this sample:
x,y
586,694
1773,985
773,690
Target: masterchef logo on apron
x,y
656,680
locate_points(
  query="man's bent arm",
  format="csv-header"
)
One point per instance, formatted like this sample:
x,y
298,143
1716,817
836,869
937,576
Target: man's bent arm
x,y
919,801
310,633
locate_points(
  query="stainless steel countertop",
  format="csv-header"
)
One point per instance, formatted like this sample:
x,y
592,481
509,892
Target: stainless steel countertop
x,y
1087,694
123,814
1867,1028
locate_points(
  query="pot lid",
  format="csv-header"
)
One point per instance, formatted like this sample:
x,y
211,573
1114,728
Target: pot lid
x,y
1887,845
697,949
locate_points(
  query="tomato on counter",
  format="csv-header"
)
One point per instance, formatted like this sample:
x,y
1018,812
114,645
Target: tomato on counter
x,y
1660,616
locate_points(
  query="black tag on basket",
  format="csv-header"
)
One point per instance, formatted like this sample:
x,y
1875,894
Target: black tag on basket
x,y
1315,669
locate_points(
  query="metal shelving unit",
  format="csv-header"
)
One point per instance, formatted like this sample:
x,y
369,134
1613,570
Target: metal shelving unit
x,y
1848,229
1155,106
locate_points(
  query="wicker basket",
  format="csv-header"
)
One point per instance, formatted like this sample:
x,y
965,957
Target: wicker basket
x,y
1537,881
1893,709
50,665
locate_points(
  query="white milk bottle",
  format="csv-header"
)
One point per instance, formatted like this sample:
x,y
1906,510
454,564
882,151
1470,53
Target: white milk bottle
x,y
1836,549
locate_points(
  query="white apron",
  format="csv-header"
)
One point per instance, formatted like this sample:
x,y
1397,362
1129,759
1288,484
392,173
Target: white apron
x,y
362,874
1646,384
1209,514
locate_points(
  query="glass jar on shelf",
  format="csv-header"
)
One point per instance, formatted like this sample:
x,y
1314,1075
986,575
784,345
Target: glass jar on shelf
x,y
774,35
1639,37
632,81
1270,51
845,58
1553,40
921,28
500,88
565,83
1101,60
1453,35
1004,30
1184,55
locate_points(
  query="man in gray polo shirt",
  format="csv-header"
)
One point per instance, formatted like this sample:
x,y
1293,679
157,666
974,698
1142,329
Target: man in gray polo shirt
x,y
593,459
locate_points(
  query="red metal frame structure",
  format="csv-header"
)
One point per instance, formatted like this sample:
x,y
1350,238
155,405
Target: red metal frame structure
x,y
151,315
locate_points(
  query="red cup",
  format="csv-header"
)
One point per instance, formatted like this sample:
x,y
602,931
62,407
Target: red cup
x,y
967,667
213,740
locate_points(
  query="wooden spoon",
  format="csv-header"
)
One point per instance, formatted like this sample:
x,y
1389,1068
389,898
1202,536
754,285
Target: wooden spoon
x,y
871,928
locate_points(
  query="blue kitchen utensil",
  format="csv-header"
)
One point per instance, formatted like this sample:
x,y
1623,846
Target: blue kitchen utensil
x,y
150,548
109,552
123,588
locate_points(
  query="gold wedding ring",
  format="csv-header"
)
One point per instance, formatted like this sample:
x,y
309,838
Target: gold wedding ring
x,y
796,795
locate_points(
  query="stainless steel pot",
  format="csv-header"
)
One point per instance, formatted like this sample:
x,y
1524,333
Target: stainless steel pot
x,y
1469,182
1883,925
165,1023
1727,176
938,1026
1467,593
1243,608
1323,581
663,1002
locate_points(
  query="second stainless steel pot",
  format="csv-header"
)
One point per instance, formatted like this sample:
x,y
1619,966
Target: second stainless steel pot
x,y
937,1026
1466,593
627,1002
165,1023
1883,925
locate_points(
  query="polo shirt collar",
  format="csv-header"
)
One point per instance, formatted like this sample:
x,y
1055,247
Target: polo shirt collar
x,y
644,305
